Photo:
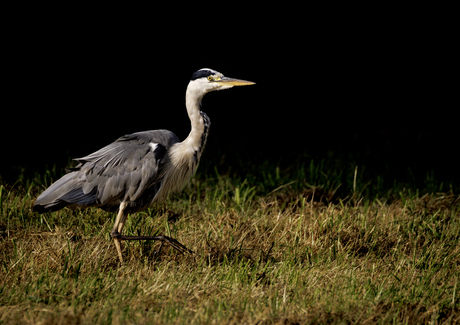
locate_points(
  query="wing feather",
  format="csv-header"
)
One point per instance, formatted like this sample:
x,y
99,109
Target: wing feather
x,y
123,170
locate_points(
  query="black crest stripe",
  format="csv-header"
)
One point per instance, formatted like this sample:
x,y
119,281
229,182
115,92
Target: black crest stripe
x,y
201,73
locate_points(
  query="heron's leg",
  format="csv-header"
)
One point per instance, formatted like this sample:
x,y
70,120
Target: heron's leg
x,y
118,237
119,222
122,222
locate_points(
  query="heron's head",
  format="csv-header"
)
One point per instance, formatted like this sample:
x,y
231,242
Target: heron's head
x,y
206,80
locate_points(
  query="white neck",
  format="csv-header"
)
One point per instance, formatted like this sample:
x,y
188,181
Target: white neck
x,y
184,156
193,98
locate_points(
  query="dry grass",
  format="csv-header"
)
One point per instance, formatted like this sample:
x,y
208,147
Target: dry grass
x,y
287,258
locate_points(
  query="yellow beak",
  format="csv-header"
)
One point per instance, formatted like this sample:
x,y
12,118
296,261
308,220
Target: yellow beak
x,y
235,82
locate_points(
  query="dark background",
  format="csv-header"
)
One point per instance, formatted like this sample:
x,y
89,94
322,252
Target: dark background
x,y
326,82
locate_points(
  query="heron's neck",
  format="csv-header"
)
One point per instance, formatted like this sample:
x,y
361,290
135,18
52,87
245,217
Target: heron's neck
x,y
193,100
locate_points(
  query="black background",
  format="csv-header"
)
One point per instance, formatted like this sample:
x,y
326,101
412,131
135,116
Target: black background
x,y
75,81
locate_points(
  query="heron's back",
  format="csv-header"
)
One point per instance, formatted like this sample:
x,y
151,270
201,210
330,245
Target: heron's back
x,y
131,169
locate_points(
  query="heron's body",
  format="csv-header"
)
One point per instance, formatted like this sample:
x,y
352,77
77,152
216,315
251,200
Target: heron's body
x,y
137,170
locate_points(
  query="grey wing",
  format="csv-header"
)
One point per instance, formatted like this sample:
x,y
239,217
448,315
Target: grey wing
x,y
121,171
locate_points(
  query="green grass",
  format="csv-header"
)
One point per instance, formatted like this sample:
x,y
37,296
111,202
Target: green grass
x,y
317,242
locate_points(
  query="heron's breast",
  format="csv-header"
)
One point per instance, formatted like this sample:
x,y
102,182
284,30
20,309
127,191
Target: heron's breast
x,y
178,171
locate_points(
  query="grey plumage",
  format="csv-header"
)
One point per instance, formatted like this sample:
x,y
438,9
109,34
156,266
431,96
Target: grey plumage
x,y
129,169
139,169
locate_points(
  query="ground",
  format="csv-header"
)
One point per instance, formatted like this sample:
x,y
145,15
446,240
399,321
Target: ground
x,y
309,249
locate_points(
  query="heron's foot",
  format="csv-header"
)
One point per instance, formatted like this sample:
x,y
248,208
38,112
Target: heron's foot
x,y
164,239
115,234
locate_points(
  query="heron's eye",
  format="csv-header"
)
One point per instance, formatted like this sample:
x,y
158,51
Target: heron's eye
x,y
210,78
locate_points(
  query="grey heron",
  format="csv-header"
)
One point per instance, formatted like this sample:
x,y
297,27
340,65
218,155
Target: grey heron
x,y
139,169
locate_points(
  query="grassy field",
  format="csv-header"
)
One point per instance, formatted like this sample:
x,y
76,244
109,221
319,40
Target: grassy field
x,y
311,243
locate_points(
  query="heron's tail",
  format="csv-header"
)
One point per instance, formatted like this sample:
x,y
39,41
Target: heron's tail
x,y
65,191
